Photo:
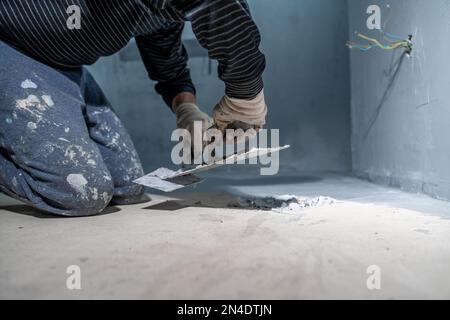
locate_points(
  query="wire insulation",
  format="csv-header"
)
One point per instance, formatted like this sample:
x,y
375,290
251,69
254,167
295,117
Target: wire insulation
x,y
395,42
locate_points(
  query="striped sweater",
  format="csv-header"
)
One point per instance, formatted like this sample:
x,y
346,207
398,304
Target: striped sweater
x,y
40,29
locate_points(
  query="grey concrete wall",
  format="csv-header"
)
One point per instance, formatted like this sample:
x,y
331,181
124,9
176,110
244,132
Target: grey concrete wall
x,y
400,106
307,86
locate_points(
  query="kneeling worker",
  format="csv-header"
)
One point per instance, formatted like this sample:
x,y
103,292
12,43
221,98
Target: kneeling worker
x,y
62,148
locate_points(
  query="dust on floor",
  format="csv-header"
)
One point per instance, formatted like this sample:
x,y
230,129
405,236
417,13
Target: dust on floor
x,y
283,203
195,246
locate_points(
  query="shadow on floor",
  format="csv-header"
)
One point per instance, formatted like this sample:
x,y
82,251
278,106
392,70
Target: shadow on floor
x,y
218,201
214,193
169,205
30,211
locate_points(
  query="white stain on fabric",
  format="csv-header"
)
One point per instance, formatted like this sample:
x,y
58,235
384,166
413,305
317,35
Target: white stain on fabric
x,y
33,106
31,125
30,101
136,168
48,100
8,120
105,128
114,141
28,84
48,148
70,153
15,183
106,197
77,182
94,192
77,155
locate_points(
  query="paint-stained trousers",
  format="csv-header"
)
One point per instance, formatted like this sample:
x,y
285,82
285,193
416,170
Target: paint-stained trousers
x,y
63,150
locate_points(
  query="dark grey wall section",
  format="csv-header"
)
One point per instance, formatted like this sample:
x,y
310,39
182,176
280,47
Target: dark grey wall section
x,y
307,79
307,86
400,106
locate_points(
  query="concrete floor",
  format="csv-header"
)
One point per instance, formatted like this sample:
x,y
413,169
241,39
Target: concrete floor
x,y
190,245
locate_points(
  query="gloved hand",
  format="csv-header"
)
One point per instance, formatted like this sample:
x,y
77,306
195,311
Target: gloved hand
x,y
186,114
240,114
232,113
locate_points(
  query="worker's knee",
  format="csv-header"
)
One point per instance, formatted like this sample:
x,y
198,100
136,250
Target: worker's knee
x,y
89,194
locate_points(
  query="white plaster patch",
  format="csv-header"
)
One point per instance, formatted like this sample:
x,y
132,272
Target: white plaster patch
x,y
94,192
32,105
31,125
28,84
78,182
106,197
48,100
30,101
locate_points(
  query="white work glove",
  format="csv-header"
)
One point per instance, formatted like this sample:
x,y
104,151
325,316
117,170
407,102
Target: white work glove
x,y
186,114
240,113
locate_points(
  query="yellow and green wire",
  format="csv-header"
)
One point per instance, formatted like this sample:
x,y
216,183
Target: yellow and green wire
x,y
395,42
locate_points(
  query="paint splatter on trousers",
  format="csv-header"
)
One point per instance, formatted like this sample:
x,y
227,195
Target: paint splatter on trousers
x,y
62,148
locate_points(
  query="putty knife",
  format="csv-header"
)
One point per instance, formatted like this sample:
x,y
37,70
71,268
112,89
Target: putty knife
x,y
168,180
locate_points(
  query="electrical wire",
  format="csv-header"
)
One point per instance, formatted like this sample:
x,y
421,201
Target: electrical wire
x,y
377,43
360,47
374,43
392,36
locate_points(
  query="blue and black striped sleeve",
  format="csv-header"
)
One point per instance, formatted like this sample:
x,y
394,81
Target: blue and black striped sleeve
x,y
165,59
226,29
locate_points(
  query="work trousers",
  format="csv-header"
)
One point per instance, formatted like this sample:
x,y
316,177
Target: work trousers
x,y
63,149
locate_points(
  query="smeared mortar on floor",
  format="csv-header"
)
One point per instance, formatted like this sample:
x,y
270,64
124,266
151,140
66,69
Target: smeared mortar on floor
x,y
283,203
